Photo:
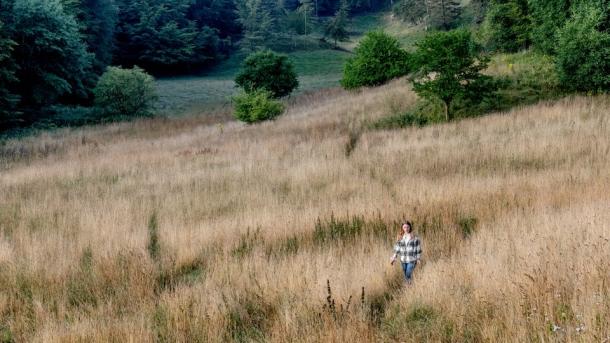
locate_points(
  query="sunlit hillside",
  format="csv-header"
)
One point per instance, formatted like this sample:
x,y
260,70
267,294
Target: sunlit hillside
x,y
205,229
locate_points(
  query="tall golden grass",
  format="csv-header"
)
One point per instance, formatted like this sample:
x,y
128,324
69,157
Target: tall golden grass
x,y
204,229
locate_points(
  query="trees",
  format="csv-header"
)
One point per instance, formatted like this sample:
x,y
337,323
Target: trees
x,y
583,48
99,19
128,92
547,17
378,59
411,11
443,14
52,61
220,15
269,71
258,22
8,100
448,68
507,25
159,36
336,28
436,14
306,12
479,10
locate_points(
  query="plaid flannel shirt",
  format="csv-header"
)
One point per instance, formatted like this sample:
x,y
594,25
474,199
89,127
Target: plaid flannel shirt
x,y
409,251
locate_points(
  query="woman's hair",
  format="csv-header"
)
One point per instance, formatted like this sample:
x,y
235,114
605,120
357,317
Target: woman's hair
x,y
407,222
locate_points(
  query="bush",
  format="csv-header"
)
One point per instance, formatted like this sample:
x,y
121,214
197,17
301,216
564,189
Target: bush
x,y
128,92
266,70
425,112
583,49
378,59
256,106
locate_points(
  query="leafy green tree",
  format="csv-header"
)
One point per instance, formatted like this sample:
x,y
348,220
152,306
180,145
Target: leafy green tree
x,y
583,48
337,26
256,106
507,25
378,59
448,68
52,59
8,100
547,17
125,92
269,71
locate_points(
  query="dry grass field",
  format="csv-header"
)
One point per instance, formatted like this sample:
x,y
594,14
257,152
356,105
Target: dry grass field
x,y
202,229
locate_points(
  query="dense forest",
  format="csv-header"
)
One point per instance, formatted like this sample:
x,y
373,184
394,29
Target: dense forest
x,y
53,52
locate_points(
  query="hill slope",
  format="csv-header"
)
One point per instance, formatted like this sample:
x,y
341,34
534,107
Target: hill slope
x,y
200,227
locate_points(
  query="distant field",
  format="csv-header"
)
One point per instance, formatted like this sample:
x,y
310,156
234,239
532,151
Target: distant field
x,y
317,69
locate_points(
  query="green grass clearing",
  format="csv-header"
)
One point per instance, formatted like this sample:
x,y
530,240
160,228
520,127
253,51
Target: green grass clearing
x,y
318,68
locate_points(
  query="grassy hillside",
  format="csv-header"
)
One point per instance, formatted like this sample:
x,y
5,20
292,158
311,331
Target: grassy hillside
x,y
204,229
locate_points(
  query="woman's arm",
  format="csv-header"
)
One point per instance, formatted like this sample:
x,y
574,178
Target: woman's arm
x,y
397,246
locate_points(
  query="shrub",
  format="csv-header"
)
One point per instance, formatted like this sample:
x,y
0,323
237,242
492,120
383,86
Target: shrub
x,y
583,49
256,106
266,70
378,59
128,92
448,68
425,112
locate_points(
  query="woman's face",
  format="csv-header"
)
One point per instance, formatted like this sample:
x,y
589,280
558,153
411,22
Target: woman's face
x,y
405,228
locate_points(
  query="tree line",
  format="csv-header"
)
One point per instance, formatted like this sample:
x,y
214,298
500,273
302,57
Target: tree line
x,y
576,33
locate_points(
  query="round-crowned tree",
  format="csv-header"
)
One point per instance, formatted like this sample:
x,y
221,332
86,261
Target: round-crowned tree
x,y
129,92
266,70
378,59
449,67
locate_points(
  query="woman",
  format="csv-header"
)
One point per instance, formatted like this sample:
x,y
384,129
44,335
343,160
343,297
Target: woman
x,y
408,247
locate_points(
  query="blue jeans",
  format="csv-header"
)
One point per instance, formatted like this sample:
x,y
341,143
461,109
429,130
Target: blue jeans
x,y
407,268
